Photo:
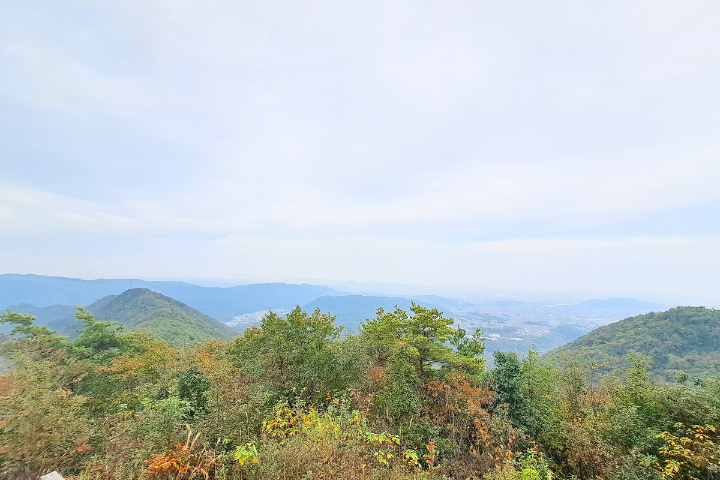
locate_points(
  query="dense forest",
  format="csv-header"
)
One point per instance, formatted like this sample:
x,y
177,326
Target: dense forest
x,y
684,343
408,397
137,309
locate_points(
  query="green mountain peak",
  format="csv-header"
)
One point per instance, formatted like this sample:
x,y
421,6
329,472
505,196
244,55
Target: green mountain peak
x,y
143,310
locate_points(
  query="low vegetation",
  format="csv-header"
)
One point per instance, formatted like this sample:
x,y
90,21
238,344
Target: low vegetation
x,y
408,397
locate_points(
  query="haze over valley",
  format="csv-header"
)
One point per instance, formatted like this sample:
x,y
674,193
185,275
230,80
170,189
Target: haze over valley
x,y
508,324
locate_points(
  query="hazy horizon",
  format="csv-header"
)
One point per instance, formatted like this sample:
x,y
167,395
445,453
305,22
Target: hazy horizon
x,y
370,288
562,149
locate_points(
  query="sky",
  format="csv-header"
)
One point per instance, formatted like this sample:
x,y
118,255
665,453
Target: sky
x,y
544,147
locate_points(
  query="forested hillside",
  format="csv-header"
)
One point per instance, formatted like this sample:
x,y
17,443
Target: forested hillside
x,y
408,397
219,303
681,341
161,317
138,309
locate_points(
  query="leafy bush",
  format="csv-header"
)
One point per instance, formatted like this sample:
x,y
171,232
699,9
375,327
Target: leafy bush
x,y
405,399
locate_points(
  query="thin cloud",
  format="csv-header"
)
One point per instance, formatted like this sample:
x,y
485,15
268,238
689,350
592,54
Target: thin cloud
x,y
432,129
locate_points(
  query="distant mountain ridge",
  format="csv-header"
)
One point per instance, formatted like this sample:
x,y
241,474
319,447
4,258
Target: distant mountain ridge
x,y
351,310
137,309
60,318
222,303
681,339
624,304
162,317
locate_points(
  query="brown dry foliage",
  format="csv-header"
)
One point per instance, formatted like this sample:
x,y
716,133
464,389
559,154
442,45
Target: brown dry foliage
x,y
181,463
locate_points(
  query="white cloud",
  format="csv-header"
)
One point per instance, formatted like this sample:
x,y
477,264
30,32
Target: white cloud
x,y
430,129
33,212
673,270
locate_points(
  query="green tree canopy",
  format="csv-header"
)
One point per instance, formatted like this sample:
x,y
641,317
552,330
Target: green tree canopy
x,y
297,352
426,336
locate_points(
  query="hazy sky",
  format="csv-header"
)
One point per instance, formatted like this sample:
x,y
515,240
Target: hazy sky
x,y
516,146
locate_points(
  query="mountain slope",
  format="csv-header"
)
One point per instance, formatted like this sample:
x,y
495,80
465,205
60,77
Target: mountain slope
x,y
217,302
639,306
225,303
60,318
682,339
353,309
140,309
